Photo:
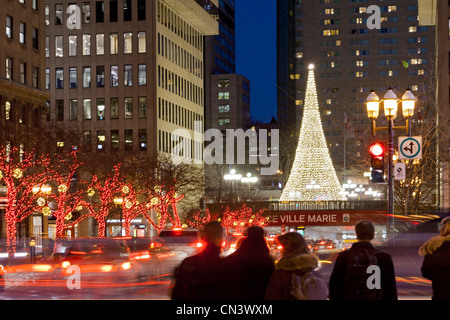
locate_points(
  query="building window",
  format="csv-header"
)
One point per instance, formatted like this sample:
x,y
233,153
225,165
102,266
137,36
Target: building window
x,y
59,72
224,108
72,46
100,108
86,77
223,83
128,108
9,69
9,27
114,43
142,139
141,10
87,140
86,44
114,108
127,43
142,42
47,47
142,107
35,77
73,109
59,13
59,46
72,77
142,74
127,10
35,38
59,105
100,76
99,11
86,12
100,41
113,11
22,32
114,76
115,139
7,110
101,138
224,95
87,113
47,78
224,121
128,75
47,14
22,72
129,139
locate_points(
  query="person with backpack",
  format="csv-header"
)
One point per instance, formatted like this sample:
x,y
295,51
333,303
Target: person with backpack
x,y
296,276
250,267
201,276
363,272
436,261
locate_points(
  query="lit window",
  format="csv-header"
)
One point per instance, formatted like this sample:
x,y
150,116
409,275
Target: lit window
x,y
114,43
142,42
100,41
127,42
86,44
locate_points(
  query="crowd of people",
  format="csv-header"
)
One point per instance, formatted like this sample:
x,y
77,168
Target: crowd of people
x,y
362,272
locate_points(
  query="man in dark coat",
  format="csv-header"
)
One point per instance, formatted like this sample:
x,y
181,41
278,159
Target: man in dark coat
x,y
339,281
201,277
250,267
436,262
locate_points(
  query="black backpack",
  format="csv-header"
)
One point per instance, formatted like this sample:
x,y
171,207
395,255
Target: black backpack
x,y
356,287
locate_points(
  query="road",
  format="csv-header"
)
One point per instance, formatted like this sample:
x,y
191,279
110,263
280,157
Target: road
x,y
411,285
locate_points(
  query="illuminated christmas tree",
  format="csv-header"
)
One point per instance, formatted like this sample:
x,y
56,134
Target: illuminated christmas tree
x,y
312,176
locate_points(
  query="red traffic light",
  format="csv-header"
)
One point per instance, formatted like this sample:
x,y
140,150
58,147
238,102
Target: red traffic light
x,y
376,149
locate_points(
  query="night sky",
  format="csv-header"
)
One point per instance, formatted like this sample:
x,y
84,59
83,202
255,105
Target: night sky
x,y
256,54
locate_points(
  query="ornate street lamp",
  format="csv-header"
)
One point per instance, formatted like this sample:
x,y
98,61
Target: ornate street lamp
x,y
390,103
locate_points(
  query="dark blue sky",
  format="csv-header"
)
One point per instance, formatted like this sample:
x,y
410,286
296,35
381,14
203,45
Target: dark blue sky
x,y
256,54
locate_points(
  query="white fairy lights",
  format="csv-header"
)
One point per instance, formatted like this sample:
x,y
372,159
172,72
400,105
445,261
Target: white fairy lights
x,y
312,177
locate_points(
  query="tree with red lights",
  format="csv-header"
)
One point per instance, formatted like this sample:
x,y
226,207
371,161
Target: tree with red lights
x,y
66,197
102,195
236,220
24,175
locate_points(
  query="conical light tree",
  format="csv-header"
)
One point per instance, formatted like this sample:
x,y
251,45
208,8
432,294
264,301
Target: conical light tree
x,y
312,177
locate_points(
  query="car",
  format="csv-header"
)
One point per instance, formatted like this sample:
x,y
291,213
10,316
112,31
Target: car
x,y
2,278
152,255
324,244
231,243
100,261
183,242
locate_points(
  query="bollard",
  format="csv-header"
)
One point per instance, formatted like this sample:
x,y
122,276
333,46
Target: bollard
x,y
33,250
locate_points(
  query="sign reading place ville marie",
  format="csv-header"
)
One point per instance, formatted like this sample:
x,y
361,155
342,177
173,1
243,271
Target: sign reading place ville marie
x,y
320,218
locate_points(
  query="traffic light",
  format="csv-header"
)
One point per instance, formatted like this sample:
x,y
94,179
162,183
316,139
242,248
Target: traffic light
x,y
377,162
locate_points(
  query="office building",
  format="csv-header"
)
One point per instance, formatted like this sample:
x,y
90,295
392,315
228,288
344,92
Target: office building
x,y
351,58
125,74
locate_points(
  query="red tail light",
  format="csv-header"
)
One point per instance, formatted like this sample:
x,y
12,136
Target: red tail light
x,y
140,255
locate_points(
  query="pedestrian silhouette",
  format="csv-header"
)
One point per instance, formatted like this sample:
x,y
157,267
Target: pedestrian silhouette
x,y
201,276
296,262
436,261
250,267
363,272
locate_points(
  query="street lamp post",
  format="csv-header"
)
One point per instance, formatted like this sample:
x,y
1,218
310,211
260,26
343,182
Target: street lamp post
x,y
233,176
390,103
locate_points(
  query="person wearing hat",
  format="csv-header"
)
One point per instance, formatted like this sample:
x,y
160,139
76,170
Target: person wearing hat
x,y
436,261
201,276
342,283
297,259
250,267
